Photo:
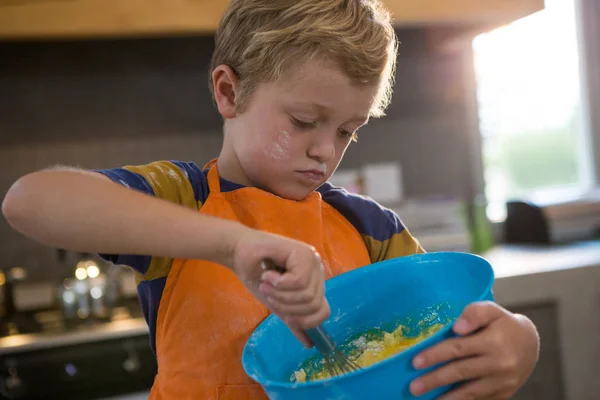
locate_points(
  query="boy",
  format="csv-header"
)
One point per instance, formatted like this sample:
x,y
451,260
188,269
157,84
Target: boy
x,y
293,80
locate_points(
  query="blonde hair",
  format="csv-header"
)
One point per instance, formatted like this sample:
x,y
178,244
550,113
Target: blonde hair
x,y
261,40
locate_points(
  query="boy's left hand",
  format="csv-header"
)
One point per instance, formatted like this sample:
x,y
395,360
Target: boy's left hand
x,y
494,355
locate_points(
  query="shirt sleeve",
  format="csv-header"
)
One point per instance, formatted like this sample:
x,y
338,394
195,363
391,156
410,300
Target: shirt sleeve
x,y
178,182
396,241
383,232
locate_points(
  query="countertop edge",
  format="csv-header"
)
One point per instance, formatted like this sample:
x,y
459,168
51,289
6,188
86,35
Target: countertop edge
x,y
112,330
507,261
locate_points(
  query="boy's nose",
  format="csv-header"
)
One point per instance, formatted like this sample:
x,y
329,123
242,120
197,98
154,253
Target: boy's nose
x,y
322,150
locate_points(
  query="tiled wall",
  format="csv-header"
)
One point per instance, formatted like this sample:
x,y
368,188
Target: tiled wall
x,y
97,153
107,103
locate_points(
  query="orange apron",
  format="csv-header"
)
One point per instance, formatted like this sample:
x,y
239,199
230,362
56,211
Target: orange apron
x,y
206,315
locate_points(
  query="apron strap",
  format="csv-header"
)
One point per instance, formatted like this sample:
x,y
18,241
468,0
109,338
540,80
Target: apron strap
x,y
214,182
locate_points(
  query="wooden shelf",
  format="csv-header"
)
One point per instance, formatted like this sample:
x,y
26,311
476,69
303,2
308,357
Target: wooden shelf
x,y
461,12
36,19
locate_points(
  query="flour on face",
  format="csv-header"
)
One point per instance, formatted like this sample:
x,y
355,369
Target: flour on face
x,y
279,149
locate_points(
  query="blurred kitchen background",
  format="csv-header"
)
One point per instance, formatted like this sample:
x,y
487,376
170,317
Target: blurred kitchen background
x,y
491,145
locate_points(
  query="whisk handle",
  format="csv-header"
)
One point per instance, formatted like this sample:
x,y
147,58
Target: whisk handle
x,y
318,336
321,339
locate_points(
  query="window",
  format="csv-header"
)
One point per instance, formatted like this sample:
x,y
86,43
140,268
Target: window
x,y
532,117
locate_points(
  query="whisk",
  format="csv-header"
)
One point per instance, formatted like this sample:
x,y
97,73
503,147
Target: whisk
x,y
336,362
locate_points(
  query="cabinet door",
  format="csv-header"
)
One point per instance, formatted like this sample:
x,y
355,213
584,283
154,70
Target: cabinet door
x,y
85,372
546,382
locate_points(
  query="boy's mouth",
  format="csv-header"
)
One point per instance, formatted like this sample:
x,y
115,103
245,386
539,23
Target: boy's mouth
x,y
313,175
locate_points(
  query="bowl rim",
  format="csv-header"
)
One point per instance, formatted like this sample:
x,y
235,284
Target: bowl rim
x,y
413,349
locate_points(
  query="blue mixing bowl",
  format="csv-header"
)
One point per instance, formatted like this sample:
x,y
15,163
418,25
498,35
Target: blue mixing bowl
x,y
426,288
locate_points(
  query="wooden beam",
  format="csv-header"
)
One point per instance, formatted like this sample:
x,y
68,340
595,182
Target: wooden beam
x,y
448,38
23,19
454,39
101,18
461,12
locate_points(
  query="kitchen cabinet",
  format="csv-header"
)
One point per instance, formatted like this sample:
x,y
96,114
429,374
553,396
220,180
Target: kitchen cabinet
x,y
558,287
546,382
98,368
120,18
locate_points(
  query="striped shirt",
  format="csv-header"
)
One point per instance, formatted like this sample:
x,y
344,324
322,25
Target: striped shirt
x,y
186,184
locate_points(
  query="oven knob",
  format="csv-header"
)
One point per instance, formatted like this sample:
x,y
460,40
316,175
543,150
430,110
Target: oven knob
x,y
13,381
12,385
132,363
71,370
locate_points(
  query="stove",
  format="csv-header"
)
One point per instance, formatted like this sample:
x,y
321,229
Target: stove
x,y
44,356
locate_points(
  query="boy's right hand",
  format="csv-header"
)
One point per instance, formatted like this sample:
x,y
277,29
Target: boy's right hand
x,y
296,296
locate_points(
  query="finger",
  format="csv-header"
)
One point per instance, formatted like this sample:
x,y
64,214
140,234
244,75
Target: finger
x,y
476,316
453,349
286,281
456,372
487,388
287,253
291,297
313,320
300,280
296,310
303,268
273,278
296,331
302,338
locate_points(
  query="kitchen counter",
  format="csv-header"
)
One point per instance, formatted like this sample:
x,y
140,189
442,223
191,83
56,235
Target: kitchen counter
x,y
559,285
106,331
518,260
508,261
566,276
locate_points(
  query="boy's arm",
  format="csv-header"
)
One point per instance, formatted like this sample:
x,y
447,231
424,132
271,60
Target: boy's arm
x,y
85,211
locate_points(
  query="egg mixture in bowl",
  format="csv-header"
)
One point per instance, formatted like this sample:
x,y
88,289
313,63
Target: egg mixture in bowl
x,y
367,349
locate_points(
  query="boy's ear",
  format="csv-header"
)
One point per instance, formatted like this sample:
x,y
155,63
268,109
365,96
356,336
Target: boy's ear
x,y
225,84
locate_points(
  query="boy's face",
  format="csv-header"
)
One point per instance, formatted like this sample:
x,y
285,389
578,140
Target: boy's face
x,y
292,134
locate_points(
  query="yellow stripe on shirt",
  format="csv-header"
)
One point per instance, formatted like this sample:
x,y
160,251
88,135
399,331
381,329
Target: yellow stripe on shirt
x,y
169,183
398,245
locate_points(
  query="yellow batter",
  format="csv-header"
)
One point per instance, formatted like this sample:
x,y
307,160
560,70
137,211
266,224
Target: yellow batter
x,y
370,351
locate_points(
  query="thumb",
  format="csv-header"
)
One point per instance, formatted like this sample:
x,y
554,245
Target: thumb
x,y
301,336
476,316
297,331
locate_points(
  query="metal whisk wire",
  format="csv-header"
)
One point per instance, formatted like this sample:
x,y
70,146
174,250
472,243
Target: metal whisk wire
x,y
336,362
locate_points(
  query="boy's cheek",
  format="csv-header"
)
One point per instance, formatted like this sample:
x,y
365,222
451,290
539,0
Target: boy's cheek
x,y
280,147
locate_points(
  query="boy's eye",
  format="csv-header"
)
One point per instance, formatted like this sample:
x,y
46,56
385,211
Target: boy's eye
x,y
303,124
352,135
